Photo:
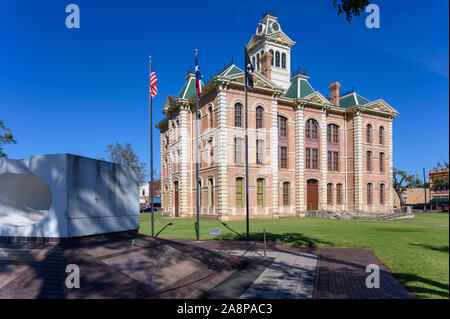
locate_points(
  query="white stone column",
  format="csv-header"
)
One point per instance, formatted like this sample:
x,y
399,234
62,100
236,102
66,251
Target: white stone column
x,y
299,162
358,161
222,138
171,209
274,157
183,138
324,167
391,165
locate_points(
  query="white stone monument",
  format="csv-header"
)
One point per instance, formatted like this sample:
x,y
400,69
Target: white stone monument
x,y
64,196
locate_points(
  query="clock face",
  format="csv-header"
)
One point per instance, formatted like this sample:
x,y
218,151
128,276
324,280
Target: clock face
x,y
260,28
275,27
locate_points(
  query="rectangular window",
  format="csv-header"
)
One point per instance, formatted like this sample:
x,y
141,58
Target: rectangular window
x,y
308,158
381,162
330,161
283,157
283,126
240,192
238,150
315,158
260,192
339,194
369,161
335,134
336,161
369,194
329,133
259,151
285,194
329,194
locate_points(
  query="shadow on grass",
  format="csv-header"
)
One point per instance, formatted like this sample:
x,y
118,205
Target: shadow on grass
x,y
435,248
408,279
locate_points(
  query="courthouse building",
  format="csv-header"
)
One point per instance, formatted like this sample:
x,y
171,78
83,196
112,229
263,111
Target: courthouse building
x,y
307,152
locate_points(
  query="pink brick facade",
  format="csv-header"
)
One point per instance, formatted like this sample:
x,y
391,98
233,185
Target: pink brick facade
x,y
328,165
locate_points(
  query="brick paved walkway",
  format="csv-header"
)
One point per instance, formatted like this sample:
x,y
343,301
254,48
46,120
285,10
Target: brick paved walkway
x,y
137,266
339,273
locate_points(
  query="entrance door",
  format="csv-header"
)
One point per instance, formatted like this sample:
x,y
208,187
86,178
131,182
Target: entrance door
x,y
312,194
176,199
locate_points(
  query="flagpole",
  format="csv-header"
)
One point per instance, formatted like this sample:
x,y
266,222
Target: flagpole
x,y
196,154
151,152
246,150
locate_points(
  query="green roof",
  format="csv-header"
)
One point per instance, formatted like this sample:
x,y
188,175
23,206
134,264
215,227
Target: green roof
x,y
299,88
352,99
189,88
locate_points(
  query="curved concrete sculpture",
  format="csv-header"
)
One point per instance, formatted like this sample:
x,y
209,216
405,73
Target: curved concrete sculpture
x,y
24,199
64,195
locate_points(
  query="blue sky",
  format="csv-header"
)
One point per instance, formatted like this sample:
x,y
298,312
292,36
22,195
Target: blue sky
x,y
77,90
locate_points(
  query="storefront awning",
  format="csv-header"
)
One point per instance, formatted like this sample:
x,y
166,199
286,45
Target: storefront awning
x,y
439,200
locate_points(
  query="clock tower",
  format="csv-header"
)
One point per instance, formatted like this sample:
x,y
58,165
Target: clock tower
x,y
270,37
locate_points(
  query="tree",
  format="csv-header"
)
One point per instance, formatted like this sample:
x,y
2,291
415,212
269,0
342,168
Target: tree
x,y
125,155
350,7
6,137
402,181
442,165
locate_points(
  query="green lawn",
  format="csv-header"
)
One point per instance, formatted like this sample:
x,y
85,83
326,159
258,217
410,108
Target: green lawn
x,y
435,218
417,254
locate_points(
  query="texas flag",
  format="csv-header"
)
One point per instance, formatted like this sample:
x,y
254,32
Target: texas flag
x,y
198,76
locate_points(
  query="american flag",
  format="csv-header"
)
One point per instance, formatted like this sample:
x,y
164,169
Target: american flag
x,y
198,77
153,82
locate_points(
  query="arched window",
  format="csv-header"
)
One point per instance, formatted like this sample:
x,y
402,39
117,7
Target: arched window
x,y
238,115
369,193
143,192
339,194
253,61
259,151
239,192
311,129
286,194
282,126
381,162
258,64
330,194
259,117
332,133
283,60
210,192
277,59
382,187
271,62
260,188
369,133
369,161
210,117
381,141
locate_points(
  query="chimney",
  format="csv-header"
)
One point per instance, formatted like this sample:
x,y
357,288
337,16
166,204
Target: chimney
x,y
334,93
266,61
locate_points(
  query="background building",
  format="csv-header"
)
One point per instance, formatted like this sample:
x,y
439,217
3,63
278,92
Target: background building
x,y
439,189
306,151
144,195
